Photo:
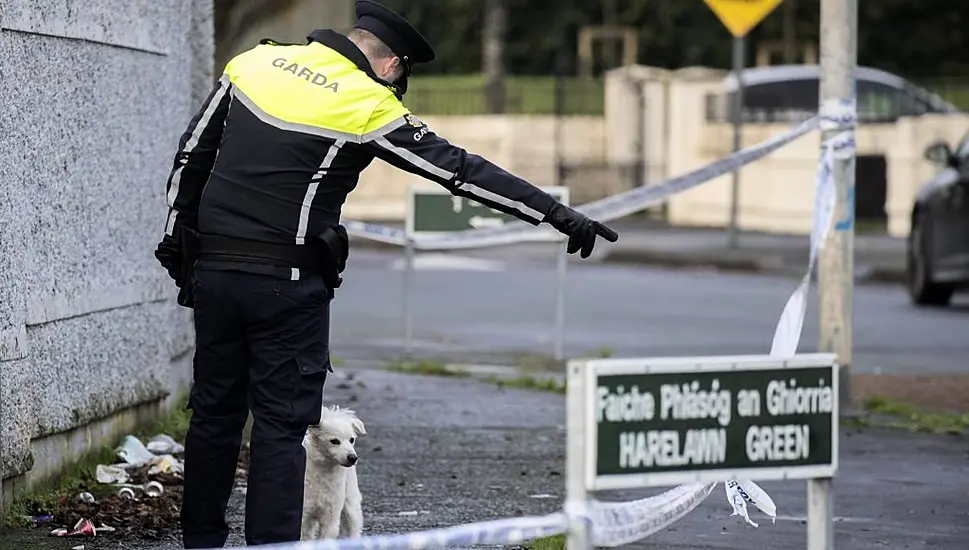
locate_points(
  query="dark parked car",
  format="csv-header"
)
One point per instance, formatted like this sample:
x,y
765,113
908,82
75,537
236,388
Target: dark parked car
x,y
938,244
789,93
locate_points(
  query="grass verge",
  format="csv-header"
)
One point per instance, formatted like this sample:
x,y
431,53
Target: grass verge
x,y
601,352
426,367
536,362
884,411
43,498
554,542
528,383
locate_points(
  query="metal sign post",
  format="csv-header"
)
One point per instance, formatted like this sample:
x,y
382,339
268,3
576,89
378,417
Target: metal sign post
x,y
737,119
579,536
562,262
658,422
739,17
408,284
434,210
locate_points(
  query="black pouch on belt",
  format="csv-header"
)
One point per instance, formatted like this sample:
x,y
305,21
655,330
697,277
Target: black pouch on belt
x,y
189,244
337,245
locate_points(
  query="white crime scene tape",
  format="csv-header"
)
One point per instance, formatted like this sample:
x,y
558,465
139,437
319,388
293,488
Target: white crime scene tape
x,y
618,523
613,524
836,115
741,492
502,531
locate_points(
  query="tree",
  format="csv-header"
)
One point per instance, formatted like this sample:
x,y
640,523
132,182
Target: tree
x,y
493,47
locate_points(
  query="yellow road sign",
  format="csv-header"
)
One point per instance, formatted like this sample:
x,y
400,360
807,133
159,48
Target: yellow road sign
x,y
739,16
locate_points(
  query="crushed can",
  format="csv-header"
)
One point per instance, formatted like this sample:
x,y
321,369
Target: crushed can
x,y
153,489
86,497
126,493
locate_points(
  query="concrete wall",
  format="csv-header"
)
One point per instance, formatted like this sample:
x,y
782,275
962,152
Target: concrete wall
x,y
95,96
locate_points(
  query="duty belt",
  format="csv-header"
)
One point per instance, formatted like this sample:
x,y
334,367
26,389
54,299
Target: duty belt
x,y
327,256
229,248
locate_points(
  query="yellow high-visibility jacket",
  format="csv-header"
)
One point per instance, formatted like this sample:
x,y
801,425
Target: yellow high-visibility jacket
x,y
283,136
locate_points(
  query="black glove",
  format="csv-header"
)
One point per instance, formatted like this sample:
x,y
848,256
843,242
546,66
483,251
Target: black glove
x,y
169,255
177,254
581,230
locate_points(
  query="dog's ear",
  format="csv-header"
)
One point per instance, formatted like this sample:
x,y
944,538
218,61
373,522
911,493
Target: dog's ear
x,y
358,426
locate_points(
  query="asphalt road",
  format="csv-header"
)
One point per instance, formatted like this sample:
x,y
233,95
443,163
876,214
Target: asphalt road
x,y
504,300
446,451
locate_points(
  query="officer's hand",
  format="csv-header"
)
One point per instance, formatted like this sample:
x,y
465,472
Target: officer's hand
x,y
581,230
169,255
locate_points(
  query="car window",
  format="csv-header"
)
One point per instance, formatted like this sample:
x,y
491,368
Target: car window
x,y
780,101
879,102
798,99
792,94
925,102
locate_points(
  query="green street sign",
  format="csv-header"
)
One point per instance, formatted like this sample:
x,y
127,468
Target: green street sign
x,y
662,422
434,210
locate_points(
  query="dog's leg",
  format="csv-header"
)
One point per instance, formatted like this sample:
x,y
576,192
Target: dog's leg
x,y
317,529
353,522
330,528
311,523
352,514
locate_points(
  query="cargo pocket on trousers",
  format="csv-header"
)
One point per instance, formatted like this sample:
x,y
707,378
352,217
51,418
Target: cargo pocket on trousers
x,y
311,376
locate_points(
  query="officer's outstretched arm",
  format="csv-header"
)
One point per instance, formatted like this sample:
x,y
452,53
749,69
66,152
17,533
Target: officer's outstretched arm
x,y
197,149
394,135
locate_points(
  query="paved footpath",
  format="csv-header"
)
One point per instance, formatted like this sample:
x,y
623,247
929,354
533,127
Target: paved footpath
x,y
444,451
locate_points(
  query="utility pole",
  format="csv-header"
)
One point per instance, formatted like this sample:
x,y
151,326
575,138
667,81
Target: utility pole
x,y
838,53
493,55
839,43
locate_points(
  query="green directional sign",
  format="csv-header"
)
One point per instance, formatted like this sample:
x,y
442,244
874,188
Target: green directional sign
x,y
434,210
685,420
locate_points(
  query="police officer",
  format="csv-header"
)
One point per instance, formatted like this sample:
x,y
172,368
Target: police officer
x,y
254,243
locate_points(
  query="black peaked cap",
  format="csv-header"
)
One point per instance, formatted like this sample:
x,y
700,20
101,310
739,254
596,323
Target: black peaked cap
x,y
390,27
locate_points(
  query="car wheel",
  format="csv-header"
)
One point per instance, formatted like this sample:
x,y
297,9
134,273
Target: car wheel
x,y
921,288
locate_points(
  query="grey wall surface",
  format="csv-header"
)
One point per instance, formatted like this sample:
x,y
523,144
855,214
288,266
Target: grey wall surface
x,y
94,96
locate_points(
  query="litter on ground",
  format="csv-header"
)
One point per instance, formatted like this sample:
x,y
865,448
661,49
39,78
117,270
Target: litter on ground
x,y
138,497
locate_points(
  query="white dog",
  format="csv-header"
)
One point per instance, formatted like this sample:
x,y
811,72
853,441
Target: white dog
x,y
331,498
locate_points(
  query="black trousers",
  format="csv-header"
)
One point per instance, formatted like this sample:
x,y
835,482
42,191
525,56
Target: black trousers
x,y
262,344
